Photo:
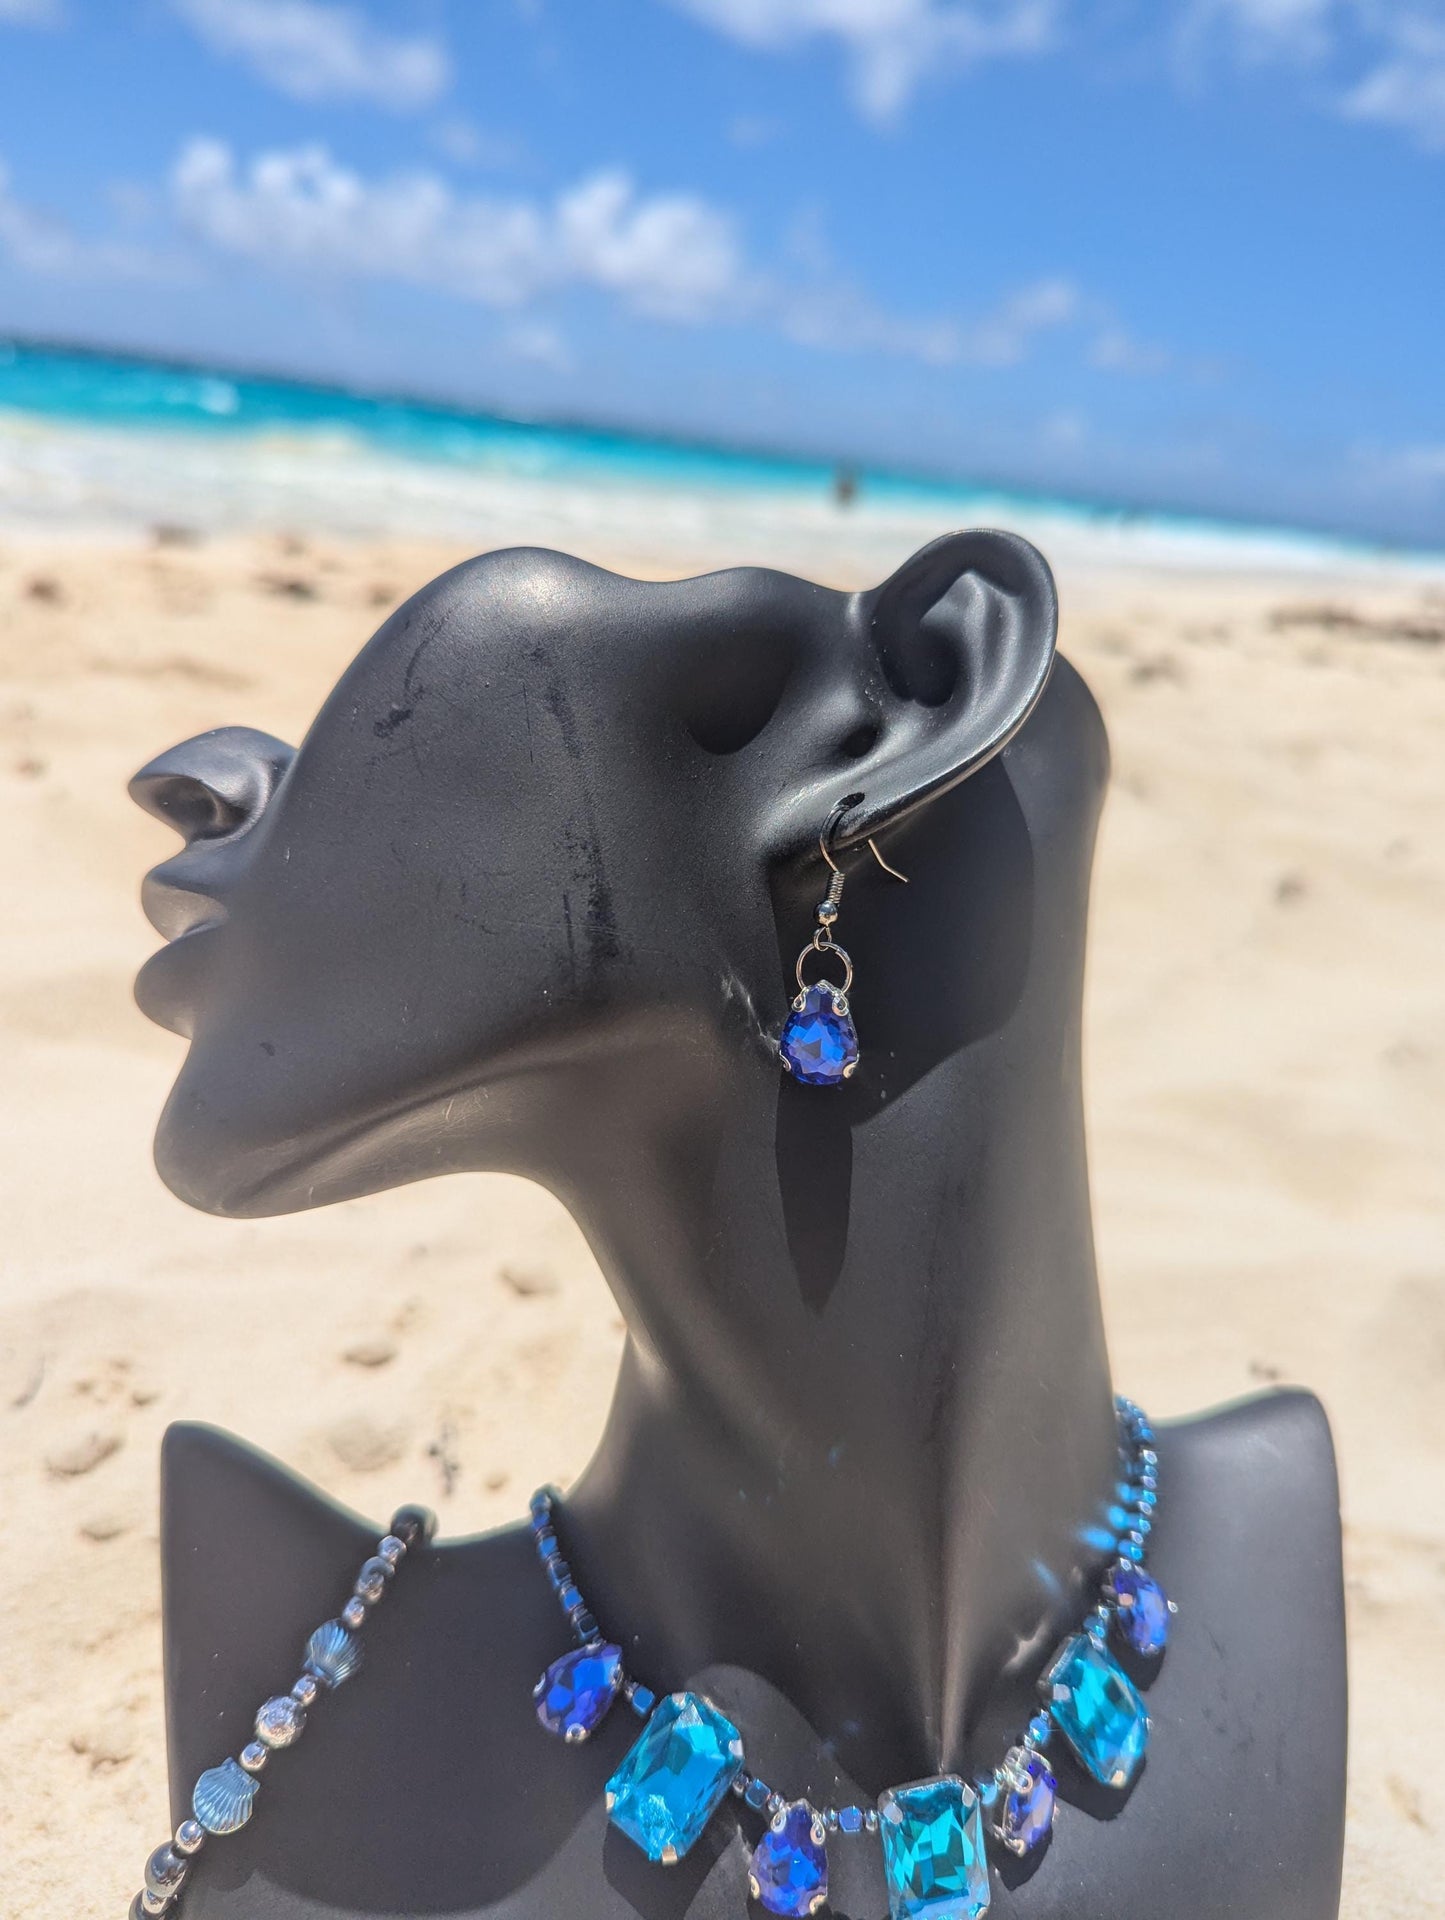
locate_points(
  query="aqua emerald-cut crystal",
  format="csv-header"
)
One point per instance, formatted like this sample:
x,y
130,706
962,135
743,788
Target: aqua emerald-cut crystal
x,y
679,1768
934,1855
575,1692
1141,1608
819,1043
789,1871
1098,1710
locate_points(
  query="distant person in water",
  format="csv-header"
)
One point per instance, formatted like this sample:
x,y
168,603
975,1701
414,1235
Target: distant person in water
x,y
845,486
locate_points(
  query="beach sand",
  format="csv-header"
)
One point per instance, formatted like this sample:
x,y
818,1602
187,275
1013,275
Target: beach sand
x,y
1266,1080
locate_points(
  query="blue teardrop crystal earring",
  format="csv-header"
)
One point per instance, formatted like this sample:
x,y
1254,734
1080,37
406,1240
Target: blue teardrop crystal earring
x,y
819,1043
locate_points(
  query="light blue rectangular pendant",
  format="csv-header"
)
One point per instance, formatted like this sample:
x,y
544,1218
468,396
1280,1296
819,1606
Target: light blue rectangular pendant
x,y
1098,1709
677,1771
934,1854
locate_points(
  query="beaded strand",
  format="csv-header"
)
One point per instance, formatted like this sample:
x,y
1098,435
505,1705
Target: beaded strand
x,y
223,1798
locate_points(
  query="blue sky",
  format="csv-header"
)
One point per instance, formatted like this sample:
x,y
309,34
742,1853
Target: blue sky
x,y
1179,252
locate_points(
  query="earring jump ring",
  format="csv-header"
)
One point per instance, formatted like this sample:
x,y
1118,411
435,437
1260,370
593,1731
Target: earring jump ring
x,y
822,946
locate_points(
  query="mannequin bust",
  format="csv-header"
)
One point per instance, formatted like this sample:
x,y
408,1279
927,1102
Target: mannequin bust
x,y
528,898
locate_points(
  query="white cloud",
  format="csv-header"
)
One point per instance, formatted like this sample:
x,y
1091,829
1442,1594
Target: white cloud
x,y
1407,88
1375,60
315,51
672,255
891,45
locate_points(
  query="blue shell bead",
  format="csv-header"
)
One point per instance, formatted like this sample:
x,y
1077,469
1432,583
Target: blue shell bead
x,y
575,1692
332,1654
789,1871
223,1797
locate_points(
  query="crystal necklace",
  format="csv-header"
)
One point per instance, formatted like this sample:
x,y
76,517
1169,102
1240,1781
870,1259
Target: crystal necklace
x,y
689,1755
935,1832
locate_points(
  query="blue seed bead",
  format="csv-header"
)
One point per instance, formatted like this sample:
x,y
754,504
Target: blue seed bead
x,y
1146,1497
1039,1729
1132,1550
757,1792
850,1819
987,1789
643,1701
541,1501
571,1599
560,1574
1142,1526
546,1544
1148,1458
584,1626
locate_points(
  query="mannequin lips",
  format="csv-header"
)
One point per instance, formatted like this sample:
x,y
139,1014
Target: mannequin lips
x,y
167,987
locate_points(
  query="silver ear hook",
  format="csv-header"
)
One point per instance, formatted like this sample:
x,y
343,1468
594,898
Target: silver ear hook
x,y
819,1043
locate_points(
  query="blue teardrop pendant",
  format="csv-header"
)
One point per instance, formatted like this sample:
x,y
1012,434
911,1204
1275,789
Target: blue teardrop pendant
x,y
819,1043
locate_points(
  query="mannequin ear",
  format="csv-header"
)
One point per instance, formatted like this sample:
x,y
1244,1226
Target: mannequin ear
x,y
963,639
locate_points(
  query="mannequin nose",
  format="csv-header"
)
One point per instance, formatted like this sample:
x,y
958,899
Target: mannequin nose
x,y
212,786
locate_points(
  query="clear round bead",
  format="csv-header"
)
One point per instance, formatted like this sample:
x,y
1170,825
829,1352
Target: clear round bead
x,y
371,1581
280,1721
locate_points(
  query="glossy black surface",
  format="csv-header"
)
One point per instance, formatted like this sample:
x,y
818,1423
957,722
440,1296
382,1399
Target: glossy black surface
x,y
528,898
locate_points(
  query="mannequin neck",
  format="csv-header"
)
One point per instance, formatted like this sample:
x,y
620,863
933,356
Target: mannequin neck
x,y
864,1420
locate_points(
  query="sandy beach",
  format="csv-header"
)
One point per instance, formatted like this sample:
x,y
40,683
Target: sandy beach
x,y
1266,1080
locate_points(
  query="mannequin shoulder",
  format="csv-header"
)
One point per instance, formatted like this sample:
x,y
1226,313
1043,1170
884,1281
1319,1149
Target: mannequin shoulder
x,y
252,1558
1262,1472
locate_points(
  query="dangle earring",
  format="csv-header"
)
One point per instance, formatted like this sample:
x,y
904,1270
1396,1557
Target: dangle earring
x,y
819,1043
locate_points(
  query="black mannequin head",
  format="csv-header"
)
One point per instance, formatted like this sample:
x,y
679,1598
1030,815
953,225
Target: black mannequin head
x,y
548,817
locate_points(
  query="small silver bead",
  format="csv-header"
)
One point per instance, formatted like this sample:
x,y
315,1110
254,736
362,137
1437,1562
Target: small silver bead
x,y
281,1721
190,1837
353,1614
390,1549
870,1819
151,1904
371,1581
254,1756
306,1689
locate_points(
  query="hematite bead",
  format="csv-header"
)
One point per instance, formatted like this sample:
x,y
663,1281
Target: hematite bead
x,y
190,1837
253,1756
306,1689
371,1581
166,1872
414,1525
151,1904
390,1549
281,1721
353,1614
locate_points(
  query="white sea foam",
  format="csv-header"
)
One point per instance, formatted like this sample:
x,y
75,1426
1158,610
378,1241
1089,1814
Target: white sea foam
x,y
69,479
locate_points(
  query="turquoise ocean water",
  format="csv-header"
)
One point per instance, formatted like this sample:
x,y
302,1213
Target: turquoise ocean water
x,y
91,440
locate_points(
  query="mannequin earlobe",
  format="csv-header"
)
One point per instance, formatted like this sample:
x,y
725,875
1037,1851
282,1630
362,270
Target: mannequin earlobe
x,y
962,637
